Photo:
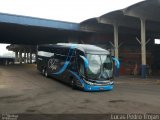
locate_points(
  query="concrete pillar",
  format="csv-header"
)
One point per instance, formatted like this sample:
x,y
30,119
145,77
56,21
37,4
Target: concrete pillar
x,y
24,56
143,48
6,62
116,47
36,53
116,40
30,56
16,56
20,56
27,57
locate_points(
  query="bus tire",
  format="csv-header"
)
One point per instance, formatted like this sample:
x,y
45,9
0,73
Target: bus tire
x,y
43,71
46,73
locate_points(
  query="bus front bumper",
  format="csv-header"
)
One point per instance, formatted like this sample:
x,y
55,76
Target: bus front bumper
x,y
97,88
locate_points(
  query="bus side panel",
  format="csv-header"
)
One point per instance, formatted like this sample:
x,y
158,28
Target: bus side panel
x,y
60,66
55,66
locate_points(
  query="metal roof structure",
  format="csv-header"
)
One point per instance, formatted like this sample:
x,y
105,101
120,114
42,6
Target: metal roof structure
x,y
148,10
128,19
17,29
92,25
118,18
28,30
31,21
140,21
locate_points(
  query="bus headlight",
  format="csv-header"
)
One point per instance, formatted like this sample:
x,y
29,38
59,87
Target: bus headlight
x,y
111,83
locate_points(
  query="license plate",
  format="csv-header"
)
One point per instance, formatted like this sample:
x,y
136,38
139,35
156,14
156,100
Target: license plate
x,y
101,88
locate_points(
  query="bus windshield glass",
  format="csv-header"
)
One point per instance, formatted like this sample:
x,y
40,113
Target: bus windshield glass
x,y
100,67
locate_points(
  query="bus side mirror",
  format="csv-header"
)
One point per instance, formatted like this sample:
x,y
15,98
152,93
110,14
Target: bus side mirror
x,y
117,62
85,61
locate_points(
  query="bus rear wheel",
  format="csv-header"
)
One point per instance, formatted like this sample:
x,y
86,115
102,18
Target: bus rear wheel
x,y
43,71
46,73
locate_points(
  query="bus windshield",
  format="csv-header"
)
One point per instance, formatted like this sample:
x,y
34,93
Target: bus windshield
x,y
100,67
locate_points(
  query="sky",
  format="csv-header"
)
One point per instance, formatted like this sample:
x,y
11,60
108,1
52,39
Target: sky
x,y
63,10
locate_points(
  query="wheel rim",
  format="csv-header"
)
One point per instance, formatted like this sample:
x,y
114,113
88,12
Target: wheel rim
x,y
43,71
72,82
46,74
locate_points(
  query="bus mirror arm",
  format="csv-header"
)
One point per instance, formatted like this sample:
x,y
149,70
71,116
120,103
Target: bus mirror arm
x,y
117,62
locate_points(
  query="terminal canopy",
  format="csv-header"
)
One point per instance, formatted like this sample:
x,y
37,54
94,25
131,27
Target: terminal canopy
x,y
128,19
15,29
148,10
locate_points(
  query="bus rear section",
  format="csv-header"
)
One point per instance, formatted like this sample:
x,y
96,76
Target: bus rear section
x,y
82,66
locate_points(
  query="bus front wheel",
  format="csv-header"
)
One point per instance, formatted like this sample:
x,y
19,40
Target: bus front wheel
x,y
46,73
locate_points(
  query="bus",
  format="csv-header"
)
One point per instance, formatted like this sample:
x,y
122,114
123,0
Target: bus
x,y
83,66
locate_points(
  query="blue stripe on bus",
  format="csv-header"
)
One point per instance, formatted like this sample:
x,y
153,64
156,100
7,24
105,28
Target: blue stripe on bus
x,y
63,68
67,61
85,61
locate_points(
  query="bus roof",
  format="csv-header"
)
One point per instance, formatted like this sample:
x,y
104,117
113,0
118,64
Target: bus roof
x,y
87,48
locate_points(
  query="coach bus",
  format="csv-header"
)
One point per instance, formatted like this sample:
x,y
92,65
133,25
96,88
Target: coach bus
x,y
82,66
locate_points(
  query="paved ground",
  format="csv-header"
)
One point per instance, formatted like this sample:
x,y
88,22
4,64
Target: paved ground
x,y
24,90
